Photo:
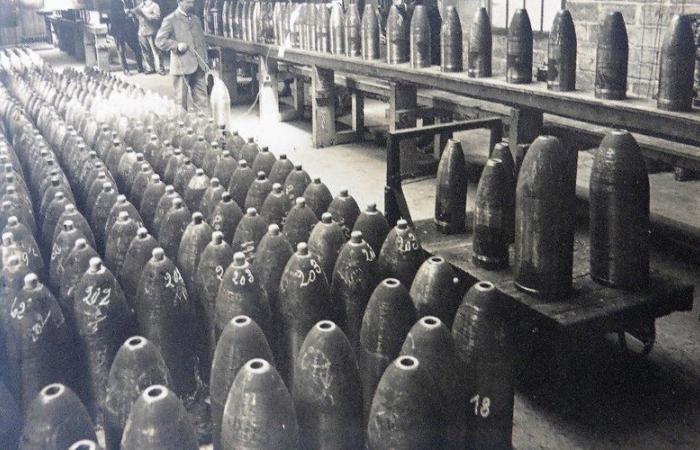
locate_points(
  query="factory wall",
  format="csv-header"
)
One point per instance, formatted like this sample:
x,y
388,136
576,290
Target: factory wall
x,y
646,22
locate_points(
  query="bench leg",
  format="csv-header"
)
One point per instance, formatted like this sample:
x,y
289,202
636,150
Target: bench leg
x,y
322,107
525,126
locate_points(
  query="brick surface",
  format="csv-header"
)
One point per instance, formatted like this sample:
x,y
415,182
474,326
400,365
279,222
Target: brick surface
x,y
646,22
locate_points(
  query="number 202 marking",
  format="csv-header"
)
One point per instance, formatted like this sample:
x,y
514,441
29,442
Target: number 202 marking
x,y
92,295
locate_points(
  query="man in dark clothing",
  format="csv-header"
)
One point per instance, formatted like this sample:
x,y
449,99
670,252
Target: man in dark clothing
x,y
181,34
123,29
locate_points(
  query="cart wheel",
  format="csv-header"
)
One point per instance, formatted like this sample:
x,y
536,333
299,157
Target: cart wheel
x,y
646,341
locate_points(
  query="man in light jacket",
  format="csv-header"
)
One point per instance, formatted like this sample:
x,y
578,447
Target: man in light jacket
x,y
181,34
148,14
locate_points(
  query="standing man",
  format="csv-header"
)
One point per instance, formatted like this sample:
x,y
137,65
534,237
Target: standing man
x,y
148,13
123,30
181,34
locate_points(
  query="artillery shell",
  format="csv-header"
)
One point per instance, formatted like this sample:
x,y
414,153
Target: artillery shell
x,y
311,26
126,160
337,24
296,182
184,174
280,169
389,316
137,365
61,247
103,320
55,420
211,197
502,152
27,248
451,190
401,254
258,191
271,257
164,205
325,241
100,213
370,33
158,420
250,151
491,213
276,206
173,227
7,210
318,197
353,281
420,45
149,202
239,294
344,211
241,341
329,414
406,412
211,158
75,265
234,143
619,213
241,179
214,260
195,190
118,241
373,226
11,280
195,238
35,333
225,167
561,53
264,161
353,31
136,257
141,182
677,66
165,317
483,341
519,49
249,231
51,217
259,411
545,219
451,41
435,290
300,221
173,165
198,150
323,29
114,155
430,342
612,54
304,300
226,216
120,206
397,29
277,14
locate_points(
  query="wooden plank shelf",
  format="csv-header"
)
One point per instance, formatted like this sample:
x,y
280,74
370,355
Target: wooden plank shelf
x,y
634,114
591,305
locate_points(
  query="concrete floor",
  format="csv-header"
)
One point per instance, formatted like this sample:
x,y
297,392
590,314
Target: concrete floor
x,y
614,400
